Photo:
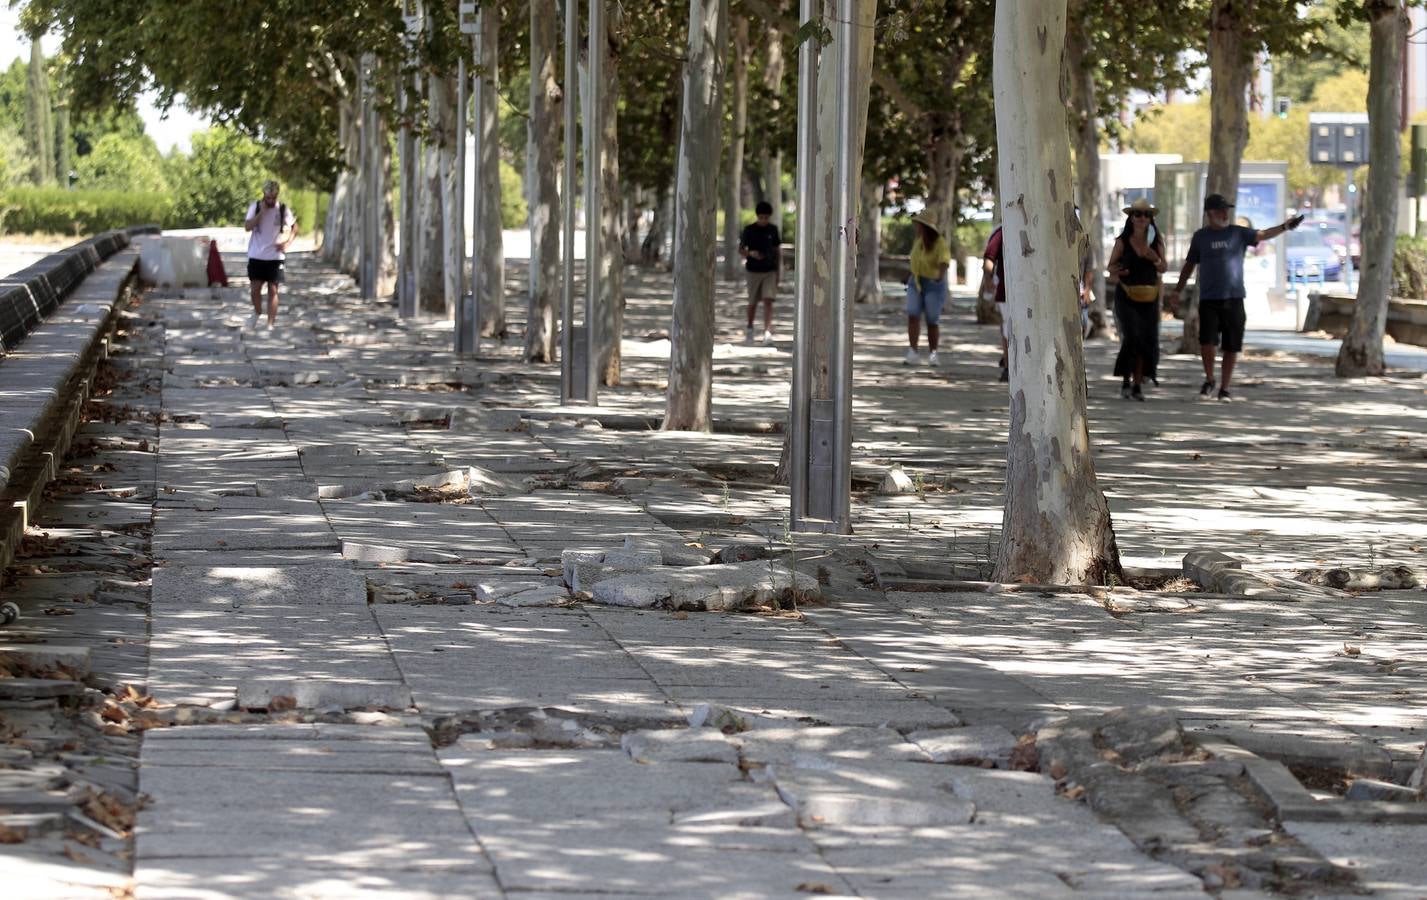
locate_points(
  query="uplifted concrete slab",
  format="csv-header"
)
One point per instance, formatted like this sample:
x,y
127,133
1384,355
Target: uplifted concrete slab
x,y
180,587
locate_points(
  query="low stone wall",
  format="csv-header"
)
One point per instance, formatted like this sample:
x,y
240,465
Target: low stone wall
x,y
65,305
1333,313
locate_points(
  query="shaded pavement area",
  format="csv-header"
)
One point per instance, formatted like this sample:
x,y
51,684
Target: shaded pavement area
x,y
335,558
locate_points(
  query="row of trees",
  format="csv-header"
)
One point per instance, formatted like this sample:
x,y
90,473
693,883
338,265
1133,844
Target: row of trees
x,y
685,79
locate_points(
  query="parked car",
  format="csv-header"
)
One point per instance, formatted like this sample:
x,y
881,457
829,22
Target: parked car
x,y
1311,256
1335,234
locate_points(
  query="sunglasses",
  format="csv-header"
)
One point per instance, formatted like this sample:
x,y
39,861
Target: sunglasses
x,y
1139,215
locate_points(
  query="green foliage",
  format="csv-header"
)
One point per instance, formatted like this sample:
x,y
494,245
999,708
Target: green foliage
x,y
513,210
39,120
898,232
225,172
55,210
121,163
1409,268
14,162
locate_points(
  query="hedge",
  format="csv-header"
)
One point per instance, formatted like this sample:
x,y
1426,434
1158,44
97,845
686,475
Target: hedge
x,y
54,210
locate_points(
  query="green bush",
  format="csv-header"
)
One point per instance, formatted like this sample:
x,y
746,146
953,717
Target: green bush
x,y
513,211
1409,268
898,232
54,210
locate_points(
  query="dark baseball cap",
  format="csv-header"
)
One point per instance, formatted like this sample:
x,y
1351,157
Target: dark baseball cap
x,y
1216,201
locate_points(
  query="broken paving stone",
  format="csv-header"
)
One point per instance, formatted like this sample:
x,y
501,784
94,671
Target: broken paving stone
x,y
550,595
972,744
287,488
633,560
1373,789
896,481
1384,578
372,553
278,694
679,745
714,587
491,590
736,553
34,659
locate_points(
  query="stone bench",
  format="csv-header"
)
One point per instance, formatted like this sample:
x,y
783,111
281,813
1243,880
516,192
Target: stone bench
x,y
1333,313
56,317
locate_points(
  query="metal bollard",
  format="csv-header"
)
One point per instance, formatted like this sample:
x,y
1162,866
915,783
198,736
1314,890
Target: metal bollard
x,y
468,334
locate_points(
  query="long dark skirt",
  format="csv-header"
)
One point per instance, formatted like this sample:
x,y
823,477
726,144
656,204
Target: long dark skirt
x,y
1139,336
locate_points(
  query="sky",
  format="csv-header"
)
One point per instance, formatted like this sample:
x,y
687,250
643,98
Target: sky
x,y
175,129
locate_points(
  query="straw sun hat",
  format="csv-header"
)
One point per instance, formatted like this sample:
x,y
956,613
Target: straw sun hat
x,y
925,220
1141,205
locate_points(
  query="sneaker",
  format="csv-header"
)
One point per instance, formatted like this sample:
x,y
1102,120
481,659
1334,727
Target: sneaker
x,y
1005,374
1137,394
767,338
912,357
933,360
1224,395
748,335
1125,391
253,320
1206,390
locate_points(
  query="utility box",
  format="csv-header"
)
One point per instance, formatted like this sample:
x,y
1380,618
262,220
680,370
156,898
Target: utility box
x,y
1338,139
1261,202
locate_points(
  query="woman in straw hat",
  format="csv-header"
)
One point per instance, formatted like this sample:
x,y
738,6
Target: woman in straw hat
x,y
926,288
1137,261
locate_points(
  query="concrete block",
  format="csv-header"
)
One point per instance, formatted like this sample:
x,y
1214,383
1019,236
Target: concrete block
x,y
549,595
896,482
376,554
1373,789
310,694
679,745
973,744
31,659
296,488
633,560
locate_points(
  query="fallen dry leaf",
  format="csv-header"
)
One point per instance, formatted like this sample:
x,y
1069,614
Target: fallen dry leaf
x,y
281,704
814,887
10,835
1352,649
1057,771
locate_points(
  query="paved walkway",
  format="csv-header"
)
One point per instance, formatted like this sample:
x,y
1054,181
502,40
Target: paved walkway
x,y
344,517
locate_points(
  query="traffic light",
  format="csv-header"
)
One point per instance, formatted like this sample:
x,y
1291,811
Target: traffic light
x,y
1281,105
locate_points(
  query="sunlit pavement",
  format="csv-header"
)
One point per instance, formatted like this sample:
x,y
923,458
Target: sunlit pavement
x,y
541,751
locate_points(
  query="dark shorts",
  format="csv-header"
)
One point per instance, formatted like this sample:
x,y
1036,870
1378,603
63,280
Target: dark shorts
x,y
1222,322
269,270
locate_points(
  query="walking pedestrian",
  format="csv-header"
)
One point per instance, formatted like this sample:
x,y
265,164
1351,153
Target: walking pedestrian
x,y
272,227
926,289
1137,262
1218,250
993,284
760,245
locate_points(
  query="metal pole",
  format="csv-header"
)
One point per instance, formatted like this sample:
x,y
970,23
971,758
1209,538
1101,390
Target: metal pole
x,y
567,209
365,144
803,277
1348,258
593,202
468,319
408,305
844,266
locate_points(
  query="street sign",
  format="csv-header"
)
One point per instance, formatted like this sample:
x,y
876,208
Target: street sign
x,y
468,16
1338,139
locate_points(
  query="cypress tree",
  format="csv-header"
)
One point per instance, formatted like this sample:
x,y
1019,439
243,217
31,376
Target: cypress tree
x,y
39,123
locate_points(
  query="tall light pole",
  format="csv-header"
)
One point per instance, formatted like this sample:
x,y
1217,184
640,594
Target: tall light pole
x,y
468,317
579,357
408,302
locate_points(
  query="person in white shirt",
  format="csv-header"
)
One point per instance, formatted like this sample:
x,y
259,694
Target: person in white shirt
x,y
272,227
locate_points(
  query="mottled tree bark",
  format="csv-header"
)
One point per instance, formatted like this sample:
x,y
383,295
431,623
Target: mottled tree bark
x,y
487,247
1084,108
869,243
1361,351
690,392
542,161
610,311
733,179
1056,525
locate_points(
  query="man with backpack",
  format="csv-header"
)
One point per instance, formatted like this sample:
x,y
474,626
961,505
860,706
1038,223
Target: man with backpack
x,y
271,226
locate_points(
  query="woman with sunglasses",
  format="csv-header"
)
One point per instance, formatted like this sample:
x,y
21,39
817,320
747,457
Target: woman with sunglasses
x,y
1137,261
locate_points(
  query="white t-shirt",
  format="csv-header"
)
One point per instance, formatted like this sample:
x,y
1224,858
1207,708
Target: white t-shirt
x,y
262,240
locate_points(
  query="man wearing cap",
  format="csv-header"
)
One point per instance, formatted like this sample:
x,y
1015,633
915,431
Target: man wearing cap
x,y
271,226
926,288
1218,250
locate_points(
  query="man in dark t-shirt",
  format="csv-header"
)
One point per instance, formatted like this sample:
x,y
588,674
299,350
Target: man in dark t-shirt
x,y
760,245
1218,250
